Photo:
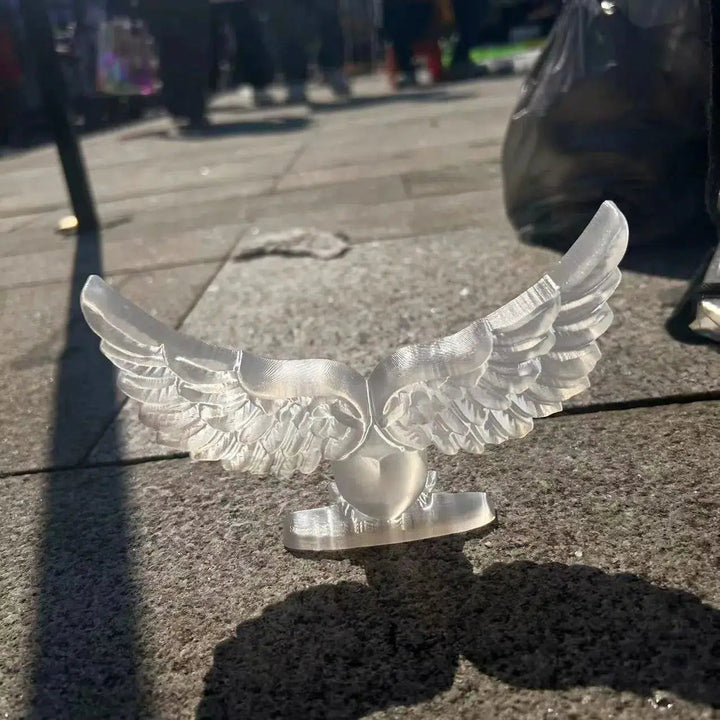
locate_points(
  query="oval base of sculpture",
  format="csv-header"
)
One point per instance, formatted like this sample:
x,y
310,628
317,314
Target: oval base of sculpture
x,y
335,527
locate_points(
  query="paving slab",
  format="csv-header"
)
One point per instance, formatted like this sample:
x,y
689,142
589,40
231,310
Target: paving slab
x,y
432,162
338,213
123,147
157,222
598,594
360,193
45,354
376,108
138,252
179,212
455,179
8,225
332,147
241,134
399,219
131,200
112,185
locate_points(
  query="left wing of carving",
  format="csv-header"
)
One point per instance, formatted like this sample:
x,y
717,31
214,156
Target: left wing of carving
x,y
250,413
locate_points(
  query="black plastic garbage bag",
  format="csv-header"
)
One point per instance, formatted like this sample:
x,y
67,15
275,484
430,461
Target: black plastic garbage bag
x,y
614,108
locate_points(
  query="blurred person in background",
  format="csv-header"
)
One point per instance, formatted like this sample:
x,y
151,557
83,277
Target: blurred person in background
x,y
239,41
469,16
404,23
182,32
296,25
11,80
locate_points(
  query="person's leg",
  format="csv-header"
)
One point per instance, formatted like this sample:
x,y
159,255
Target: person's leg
x,y
331,57
216,49
332,42
182,35
5,117
11,117
253,61
290,22
396,28
469,15
17,118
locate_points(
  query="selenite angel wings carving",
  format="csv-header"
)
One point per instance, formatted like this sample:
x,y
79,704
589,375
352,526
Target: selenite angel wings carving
x,y
483,385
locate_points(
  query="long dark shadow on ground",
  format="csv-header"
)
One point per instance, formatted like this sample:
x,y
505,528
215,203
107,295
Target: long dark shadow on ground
x,y
348,650
85,662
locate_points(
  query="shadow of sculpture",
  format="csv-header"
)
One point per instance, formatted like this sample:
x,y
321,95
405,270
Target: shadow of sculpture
x,y
350,649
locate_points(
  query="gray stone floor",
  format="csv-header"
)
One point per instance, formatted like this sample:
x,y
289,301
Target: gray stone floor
x,y
135,584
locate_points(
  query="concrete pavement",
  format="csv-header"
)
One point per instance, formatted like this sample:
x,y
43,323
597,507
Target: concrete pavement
x,y
135,584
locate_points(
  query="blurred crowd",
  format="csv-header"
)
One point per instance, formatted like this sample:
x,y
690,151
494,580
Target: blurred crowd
x,y
185,51
258,41
11,77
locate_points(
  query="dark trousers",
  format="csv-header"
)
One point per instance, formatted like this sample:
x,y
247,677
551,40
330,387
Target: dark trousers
x,y
404,23
11,105
248,53
253,62
296,24
182,38
469,15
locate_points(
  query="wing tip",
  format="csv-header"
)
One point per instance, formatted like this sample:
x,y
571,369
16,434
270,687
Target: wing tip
x,y
601,246
93,296
110,314
93,285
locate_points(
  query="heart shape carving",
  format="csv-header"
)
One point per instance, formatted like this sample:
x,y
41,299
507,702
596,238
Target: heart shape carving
x,y
382,487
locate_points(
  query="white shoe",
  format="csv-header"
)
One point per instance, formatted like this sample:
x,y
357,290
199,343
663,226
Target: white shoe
x,y
296,94
338,83
262,98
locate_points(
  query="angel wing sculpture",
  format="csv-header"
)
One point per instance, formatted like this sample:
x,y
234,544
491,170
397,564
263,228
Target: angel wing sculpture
x,y
481,386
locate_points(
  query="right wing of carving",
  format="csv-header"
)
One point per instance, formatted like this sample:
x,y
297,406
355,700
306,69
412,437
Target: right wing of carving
x,y
487,383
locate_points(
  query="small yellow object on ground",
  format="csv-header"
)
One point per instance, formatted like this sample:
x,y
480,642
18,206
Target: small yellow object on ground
x,y
67,225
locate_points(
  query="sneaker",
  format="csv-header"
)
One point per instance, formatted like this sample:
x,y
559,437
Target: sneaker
x,y
338,83
262,98
192,127
407,80
296,94
465,71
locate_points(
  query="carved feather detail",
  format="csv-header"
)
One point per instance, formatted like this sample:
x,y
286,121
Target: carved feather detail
x,y
483,385
212,402
519,363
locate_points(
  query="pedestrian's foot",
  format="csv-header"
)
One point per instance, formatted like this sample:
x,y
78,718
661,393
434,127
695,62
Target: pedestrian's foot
x,y
296,94
338,83
262,98
406,80
193,126
465,71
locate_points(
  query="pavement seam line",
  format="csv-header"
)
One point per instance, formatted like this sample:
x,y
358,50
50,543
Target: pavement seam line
x,y
294,158
134,195
114,273
595,409
640,403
